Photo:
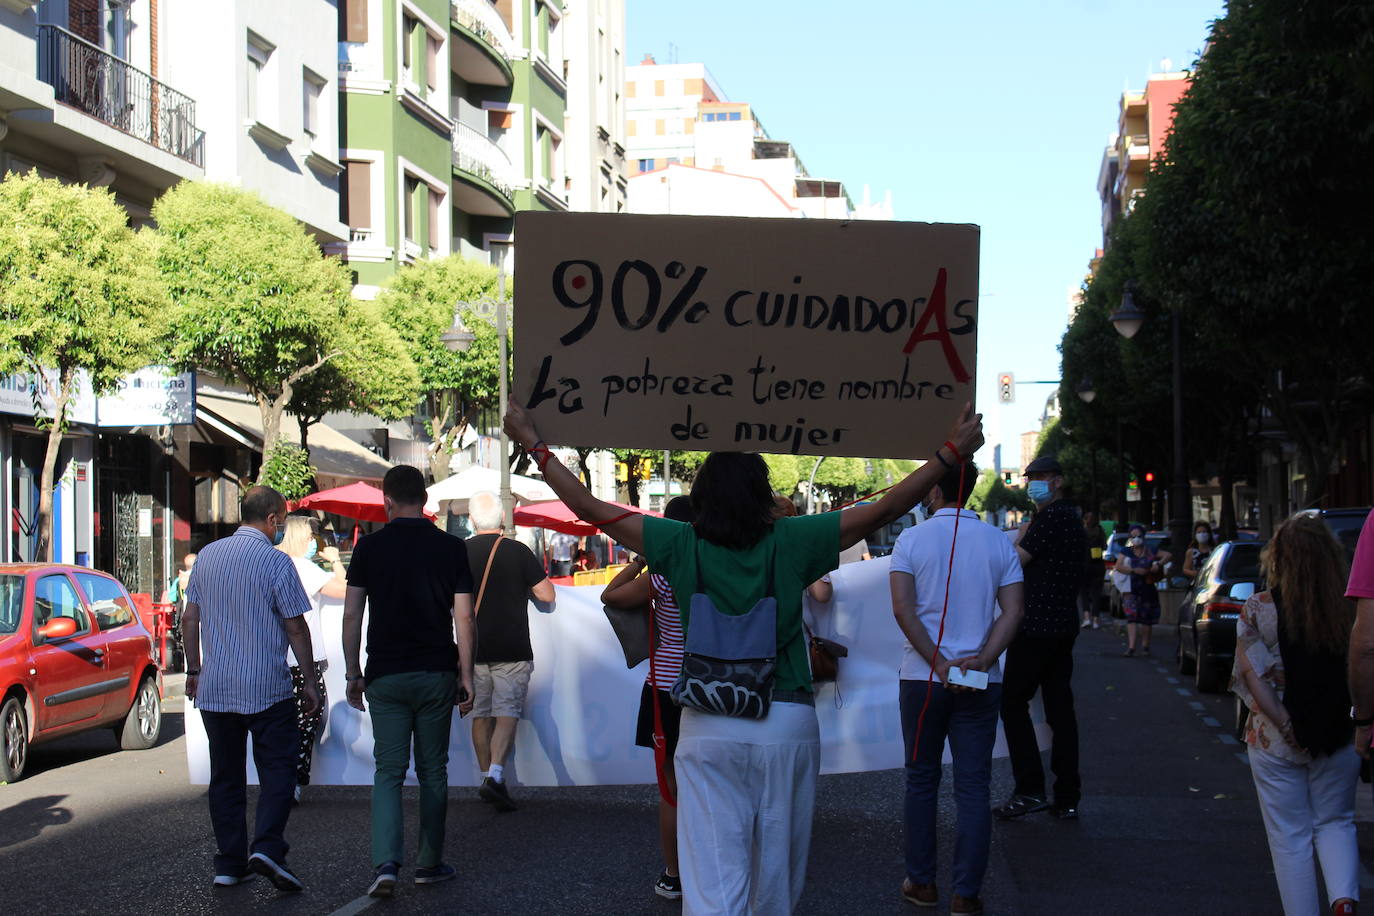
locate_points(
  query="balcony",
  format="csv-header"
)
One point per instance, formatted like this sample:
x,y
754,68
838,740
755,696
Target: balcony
x,y
110,90
486,174
483,56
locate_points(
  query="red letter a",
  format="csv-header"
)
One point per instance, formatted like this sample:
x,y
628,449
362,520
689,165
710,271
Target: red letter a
x,y
935,309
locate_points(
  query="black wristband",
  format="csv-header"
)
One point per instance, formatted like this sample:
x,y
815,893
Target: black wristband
x,y
941,458
195,673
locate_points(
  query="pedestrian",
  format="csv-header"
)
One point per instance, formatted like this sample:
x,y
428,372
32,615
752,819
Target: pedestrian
x,y
1199,549
413,580
1360,589
1041,656
175,595
1090,594
1291,646
301,542
246,600
562,547
948,585
509,574
746,782
632,588
1145,567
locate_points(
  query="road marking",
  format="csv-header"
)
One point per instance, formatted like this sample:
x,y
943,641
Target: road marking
x,y
1227,739
1243,757
1210,722
1171,680
1161,669
1366,879
354,906
1196,705
1184,691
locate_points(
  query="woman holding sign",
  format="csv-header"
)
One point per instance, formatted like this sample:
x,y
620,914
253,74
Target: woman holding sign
x,y
749,747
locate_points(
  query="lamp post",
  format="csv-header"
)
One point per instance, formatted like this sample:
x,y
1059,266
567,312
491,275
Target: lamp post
x,y
1086,393
1127,320
458,338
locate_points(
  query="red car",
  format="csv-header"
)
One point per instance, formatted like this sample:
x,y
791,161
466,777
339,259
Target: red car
x,y
73,656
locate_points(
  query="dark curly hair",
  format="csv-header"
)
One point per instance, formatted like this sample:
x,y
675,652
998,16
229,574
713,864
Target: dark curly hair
x,y
732,500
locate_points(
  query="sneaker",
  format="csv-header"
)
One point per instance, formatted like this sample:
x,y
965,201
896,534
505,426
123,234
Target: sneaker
x,y
1343,907
923,895
1021,805
669,886
965,906
1085,624
276,872
296,796
434,875
231,880
495,793
384,885
1145,650
1064,812
1129,653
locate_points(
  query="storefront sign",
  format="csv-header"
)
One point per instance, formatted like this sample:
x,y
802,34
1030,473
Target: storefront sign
x,y
21,391
150,397
820,337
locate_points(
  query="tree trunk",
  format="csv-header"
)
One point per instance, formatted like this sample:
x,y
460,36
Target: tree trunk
x,y
441,452
1227,522
304,425
43,524
632,482
271,411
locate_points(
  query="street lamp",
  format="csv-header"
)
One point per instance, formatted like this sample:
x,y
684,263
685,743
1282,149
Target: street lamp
x,y
1086,393
459,338
1127,320
1085,390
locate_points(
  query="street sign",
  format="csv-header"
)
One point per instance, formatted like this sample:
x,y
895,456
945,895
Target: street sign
x,y
821,337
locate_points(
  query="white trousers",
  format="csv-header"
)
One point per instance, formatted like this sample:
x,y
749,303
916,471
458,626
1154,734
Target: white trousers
x,y
1307,806
746,796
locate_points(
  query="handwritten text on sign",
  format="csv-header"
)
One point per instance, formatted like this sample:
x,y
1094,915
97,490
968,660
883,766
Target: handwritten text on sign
x,y
805,336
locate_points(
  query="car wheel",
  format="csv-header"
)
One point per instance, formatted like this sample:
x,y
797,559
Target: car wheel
x,y
1208,677
14,740
1186,665
1242,718
143,722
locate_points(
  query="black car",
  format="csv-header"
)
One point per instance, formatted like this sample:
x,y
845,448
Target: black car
x,y
1345,524
1207,617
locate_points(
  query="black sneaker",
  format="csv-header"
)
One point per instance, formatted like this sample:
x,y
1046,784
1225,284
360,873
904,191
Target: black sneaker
x,y
1020,806
384,885
1064,812
496,793
669,886
276,872
440,872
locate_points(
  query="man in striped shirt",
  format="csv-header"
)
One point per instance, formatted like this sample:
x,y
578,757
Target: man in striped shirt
x,y
244,605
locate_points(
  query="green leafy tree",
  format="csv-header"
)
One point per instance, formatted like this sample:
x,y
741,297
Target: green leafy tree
x,y
255,301
287,470
79,293
839,478
784,472
640,464
991,494
419,302
684,465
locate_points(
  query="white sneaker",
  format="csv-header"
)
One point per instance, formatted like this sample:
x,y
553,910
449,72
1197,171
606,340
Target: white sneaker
x,y
296,795
231,880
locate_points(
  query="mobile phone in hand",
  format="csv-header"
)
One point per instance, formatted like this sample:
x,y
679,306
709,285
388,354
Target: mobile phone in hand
x,y
974,680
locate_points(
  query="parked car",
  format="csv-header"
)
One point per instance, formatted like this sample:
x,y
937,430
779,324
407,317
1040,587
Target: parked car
x,y
1345,524
1207,617
73,656
1115,545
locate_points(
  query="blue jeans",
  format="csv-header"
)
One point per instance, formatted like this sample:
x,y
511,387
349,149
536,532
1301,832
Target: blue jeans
x,y
275,737
969,720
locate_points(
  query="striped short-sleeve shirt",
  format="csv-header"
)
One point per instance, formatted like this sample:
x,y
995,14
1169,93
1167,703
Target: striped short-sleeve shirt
x,y
668,621
244,588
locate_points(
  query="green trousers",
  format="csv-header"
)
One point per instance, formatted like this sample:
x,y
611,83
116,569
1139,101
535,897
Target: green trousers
x,y
418,706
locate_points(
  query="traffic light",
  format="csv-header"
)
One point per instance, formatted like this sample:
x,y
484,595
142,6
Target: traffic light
x,y
1006,388
1149,476
1133,484
1006,477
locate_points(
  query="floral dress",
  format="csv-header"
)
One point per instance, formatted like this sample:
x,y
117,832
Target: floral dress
x,y
1141,603
1257,640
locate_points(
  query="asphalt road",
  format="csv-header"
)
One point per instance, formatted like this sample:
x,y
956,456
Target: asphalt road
x,y
1169,825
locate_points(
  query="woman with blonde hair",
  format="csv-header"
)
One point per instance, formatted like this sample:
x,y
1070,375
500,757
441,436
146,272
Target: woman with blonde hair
x,y
1291,644
302,542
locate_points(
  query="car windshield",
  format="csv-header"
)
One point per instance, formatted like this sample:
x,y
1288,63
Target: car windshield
x,y
11,602
1346,527
1242,561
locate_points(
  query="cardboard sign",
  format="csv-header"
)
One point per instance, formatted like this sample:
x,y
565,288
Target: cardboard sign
x,y
819,337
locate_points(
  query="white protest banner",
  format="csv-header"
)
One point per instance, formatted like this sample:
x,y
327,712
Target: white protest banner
x,y
823,337
583,703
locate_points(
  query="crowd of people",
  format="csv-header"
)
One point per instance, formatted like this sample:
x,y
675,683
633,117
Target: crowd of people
x,y
728,703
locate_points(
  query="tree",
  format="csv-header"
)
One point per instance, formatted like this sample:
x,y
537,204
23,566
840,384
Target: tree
x,y
784,472
372,374
839,478
419,302
991,494
79,293
255,300
639,467
684,465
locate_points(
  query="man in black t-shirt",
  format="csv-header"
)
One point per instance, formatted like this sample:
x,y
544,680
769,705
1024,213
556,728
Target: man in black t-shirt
x,y
1041,657
508,574
414,581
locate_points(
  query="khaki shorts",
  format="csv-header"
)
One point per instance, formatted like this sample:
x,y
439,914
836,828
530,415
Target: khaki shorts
x,y
500,689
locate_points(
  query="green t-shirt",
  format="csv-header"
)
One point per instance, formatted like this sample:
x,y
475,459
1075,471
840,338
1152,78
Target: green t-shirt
x,y
804,549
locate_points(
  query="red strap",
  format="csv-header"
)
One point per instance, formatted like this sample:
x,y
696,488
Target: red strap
x,y
949,575
611,521
660,742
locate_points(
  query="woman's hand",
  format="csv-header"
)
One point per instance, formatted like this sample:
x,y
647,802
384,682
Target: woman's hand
x,y
967,432
520,425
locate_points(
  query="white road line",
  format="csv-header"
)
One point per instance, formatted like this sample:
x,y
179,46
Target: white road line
x,y
1171,680
1244,758
1184,691
354,906
1210,722
1227,739
1196,705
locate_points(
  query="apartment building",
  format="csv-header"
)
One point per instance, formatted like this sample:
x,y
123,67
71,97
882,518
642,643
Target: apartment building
x,y
594,41
1143,120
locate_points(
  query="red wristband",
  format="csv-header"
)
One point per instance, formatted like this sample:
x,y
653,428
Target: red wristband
x,y
954,451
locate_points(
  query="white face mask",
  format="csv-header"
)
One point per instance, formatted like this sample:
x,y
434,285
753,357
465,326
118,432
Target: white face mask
x,y
1136,542
1204,537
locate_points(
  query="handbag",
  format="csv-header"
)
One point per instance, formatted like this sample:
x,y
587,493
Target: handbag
x,y
825,656
631,626
729,660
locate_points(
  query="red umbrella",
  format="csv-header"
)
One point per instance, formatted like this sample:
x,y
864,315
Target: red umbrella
x,y
359,500
556,516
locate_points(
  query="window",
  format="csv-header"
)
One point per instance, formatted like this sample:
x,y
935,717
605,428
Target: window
x,y
412,188
433,234
354,21
658,87
54,597
646,165
11,602
357,196
312,87
431,61
409,26
734,116
259,97
108,601
629,90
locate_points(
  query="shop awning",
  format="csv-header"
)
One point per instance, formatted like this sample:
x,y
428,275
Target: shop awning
x,y
333,454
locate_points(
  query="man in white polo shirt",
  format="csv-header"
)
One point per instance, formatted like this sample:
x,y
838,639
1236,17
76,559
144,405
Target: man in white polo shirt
x,y
984,574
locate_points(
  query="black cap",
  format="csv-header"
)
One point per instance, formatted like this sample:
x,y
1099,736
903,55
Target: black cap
x,y
1045,464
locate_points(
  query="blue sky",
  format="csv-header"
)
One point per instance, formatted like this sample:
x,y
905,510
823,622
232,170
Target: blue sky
x,y
993,113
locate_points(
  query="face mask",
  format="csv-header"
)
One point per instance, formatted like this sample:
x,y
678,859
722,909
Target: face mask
x,y
313,549
280,533
1039,491
1203,537
1136,542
